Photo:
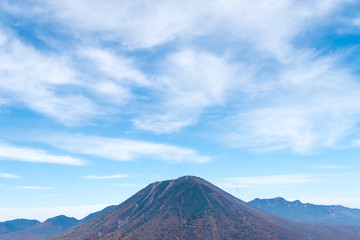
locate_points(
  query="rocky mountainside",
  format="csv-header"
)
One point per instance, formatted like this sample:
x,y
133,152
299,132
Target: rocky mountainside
x,y
309,213
192,208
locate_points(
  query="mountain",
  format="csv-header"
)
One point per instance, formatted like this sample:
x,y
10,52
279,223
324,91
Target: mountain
x,y
309,213
50,227
192,208
21,229
17,225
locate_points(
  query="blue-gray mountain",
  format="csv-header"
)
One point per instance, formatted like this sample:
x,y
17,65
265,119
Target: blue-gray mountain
x,y
17,225
24,229
309,213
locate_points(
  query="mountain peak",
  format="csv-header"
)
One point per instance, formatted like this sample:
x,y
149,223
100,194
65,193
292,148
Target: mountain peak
x,y
280,199
185,178
189,207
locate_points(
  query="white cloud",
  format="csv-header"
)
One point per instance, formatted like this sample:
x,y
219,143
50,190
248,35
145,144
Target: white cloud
x,y
271,26
123,149
142,24
34,188
116,176
8,175
9,152
139,24
356,22
311,104
329,166
118,75
43,213
282,98
189,83
60,87
273,180
35,81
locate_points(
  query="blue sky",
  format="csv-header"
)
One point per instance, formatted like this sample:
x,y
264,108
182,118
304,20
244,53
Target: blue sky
x,y
100,98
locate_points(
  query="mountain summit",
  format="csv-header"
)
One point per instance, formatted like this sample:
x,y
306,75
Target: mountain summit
x,y
192,208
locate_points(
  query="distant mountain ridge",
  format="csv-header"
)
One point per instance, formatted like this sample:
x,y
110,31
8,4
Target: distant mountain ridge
x,y
17,225
24,229
309,213
192,208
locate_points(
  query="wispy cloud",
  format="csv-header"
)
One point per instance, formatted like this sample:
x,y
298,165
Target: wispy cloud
x,y
240,70
123,149
34,188
111,77
273,180
189,83
165,21
329,166
312,104
33,81
159,23
8,175
23,154
116,176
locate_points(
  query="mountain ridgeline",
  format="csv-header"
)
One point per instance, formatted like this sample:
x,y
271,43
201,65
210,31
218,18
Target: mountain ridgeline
x,y
24,229
192,208
309,213
17,225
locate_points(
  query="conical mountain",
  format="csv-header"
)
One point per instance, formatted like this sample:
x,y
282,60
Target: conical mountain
x,y
192,208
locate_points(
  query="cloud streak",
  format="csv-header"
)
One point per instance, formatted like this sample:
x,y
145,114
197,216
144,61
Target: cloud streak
x,y
14,153
8,175
116,176
34,188
273,180
123,149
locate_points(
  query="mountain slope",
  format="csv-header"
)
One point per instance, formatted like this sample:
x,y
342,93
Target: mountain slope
x,y
192,208
309,213
95,214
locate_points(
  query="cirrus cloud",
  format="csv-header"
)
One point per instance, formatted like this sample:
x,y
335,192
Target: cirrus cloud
x,y
122,149
25,154
8,175
273,180
116,176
